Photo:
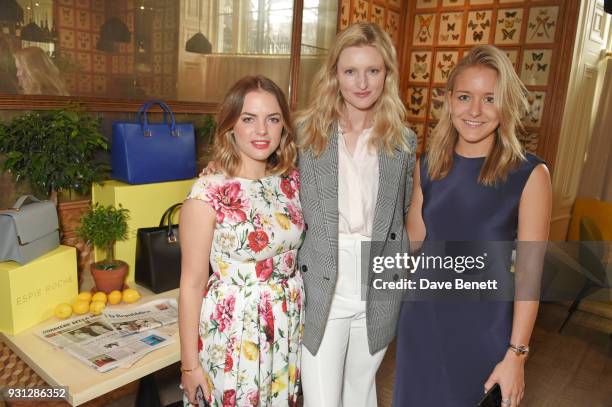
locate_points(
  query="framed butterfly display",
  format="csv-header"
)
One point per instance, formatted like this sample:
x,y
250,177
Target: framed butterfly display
x,y
378,15
437,103
423,29
444,64
426,4
450,28
535,68
419,129
513,55
478,28
452,3
509,26
417,102
536,108
420,66
542,25
345,16
530,141
361,11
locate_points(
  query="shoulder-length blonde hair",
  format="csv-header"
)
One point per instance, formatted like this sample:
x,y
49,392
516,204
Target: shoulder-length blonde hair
x,y
225,151
510,97
316,122
39,75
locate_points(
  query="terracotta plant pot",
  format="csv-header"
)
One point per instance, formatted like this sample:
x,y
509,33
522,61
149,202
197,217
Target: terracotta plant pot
x,y
109,280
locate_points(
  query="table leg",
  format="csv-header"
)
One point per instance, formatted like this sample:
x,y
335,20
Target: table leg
x,y
148,395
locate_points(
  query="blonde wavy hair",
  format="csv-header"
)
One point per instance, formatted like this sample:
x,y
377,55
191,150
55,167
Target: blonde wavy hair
x,y
225,151
39,75
510,98
315,123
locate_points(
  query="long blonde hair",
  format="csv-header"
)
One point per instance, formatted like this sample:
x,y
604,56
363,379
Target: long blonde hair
x,y
315,123
225,151
511,101
41,77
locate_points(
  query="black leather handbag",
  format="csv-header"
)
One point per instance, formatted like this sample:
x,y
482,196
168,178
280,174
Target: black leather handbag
x,y
158,254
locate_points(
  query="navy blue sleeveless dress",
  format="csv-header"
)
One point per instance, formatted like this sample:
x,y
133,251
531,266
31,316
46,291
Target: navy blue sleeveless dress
x,y
447,350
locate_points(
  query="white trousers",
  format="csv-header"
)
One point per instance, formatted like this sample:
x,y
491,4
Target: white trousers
x,y
343,373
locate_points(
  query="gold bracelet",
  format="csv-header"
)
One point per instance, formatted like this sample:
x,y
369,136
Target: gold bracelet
x,y
183,370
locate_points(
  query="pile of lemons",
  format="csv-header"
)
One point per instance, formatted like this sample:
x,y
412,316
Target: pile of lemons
x,y
86,302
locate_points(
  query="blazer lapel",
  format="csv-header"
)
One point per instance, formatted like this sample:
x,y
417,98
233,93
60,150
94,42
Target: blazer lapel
x,y
326,170
389,171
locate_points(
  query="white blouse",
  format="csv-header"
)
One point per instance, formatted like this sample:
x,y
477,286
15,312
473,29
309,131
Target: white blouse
x,y
357,185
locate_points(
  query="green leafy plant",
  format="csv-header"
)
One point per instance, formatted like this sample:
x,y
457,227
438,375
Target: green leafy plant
x,y
102,226
205,127
54,151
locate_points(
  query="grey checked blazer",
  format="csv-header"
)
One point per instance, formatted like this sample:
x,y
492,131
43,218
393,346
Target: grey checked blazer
x,y
318,256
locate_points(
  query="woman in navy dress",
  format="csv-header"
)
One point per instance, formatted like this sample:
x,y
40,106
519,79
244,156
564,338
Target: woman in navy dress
x,y
474,184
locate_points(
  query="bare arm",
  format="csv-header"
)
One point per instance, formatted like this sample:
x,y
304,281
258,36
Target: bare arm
x,y
197,225
415,226
533,226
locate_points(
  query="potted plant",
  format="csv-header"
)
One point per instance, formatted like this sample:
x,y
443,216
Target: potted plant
x,y
57,153
101,227
54,151
205,127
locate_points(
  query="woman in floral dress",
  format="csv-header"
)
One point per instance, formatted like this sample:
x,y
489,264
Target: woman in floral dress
x,y
241,328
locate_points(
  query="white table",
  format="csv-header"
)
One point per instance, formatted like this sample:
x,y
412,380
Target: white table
x,y
58,368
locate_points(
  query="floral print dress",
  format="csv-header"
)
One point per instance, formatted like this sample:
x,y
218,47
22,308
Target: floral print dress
x,y
252,314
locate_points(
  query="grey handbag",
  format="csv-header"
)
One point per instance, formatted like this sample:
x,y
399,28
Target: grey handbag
x,y
28,231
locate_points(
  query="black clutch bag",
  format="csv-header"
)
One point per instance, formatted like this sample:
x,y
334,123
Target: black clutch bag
x,y
493,397
158,254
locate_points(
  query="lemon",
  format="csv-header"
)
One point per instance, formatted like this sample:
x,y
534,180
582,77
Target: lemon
x,y
99,296
63,310
114,297
80,307
130,295
85,296
96,307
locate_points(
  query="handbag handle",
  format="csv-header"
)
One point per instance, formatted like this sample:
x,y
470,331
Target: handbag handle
x,y
167,218
145,123
145,106
22,199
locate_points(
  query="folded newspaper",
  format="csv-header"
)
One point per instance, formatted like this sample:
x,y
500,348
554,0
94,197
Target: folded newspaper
x,y
115,337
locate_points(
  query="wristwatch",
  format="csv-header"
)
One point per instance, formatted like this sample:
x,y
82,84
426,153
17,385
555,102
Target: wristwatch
x,y
519,349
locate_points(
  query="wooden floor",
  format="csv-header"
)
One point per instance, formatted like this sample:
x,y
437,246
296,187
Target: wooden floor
x,y
573,369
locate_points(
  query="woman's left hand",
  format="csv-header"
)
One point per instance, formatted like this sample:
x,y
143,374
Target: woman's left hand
x,y
510,375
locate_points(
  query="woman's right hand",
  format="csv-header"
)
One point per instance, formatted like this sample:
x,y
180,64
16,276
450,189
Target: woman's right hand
x,y
190,382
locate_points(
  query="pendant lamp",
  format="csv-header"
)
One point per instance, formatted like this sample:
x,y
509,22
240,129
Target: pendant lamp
x,y
198,43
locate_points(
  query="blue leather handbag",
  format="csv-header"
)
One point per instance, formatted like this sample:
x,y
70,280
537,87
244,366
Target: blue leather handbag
x,y
144,153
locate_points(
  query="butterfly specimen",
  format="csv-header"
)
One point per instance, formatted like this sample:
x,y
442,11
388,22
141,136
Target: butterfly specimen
x,y
447,57
510,14
424,32
485,24
455,36
450,27
536,56
478,35
420,58
444,37
480,16
529,67
472,25
508,34
445,17
542,67
416,100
